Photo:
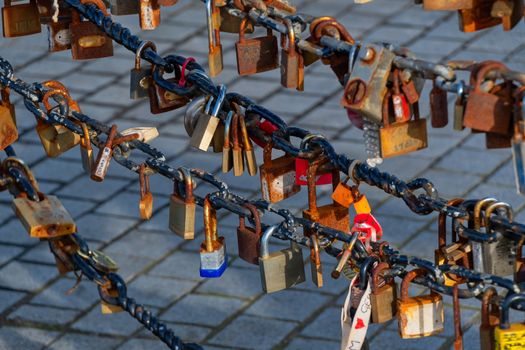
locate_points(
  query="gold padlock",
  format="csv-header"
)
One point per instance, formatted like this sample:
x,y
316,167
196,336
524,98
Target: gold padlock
x,y
509,335
146,198
182,208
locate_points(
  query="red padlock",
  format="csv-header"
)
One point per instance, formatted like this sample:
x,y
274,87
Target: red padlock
x,y
301,171
369,227
268,128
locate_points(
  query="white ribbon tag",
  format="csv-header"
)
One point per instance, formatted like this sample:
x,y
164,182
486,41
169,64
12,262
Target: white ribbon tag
x,y
354,330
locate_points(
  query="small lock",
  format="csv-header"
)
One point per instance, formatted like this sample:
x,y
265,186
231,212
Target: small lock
x,y
316,268
510,12
146,198
59,34
478,17
247,148
214,38
447,5
438,106
384,295
230,23
86,150
227,154
20,19
213,258
248,238
162,100
182,208
140,77
238,159
292,66
202,136
101,165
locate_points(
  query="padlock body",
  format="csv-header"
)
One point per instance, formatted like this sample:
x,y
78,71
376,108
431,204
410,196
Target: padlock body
x,y
478,17
56,139
162,100
149,17
8,129
402,138
249,245
487,112
331,215
124,7
496,258
384,303
257,55
232,24
204,131
215,60
283,269
213,264
44,219
89,42
182,217
140,80
289,69
218,138
59,36
420,316
278,179
20,20
511,338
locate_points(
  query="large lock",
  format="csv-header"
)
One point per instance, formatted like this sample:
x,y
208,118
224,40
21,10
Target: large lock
x,y
124,7
384,295
420,316
8,129
248,238
331,215
277,176
495,140
140,77
478,17
509,335
213,19
182,207
447,5
292,66
162,100
367,86
213,258
207,123
46,218
489,319
282,269
256,55
87,40
20,19
455,253
486,111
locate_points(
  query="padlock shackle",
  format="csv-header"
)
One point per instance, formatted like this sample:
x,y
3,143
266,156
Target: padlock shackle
x,y
140,51
256,218
314,249
487,67
219,101
480,205
143,181
331,27
291,38
227,128
364,269
505,307
408,278
245,138
210,225
442,224
265,249
376,273
488,295
85,141
235,132
492,208
189,198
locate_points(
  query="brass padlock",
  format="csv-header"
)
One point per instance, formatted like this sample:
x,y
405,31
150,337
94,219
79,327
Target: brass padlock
x,y
248,239
256,55
20,19
367,86
478,17
277,176
316,267
87,40
149,14
247,148
486,111
86,150
8,129
101,165
207,123
46,218
489,319
230,22
140,77
290,60
402,137
331,215
420,316
182,207
146,198
213,18
227,155
384,295
238,159
282,269
124,7
162,100
213,251
509,335
447,5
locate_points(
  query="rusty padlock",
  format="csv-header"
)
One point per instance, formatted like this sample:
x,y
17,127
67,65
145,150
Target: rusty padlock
x,y
489,319
384,295
478,17
248,239
20,19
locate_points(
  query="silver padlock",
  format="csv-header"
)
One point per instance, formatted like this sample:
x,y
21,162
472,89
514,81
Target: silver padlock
x,y
124,7
207,123
282,269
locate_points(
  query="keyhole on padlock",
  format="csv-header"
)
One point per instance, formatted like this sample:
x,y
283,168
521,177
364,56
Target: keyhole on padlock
x,y
356,91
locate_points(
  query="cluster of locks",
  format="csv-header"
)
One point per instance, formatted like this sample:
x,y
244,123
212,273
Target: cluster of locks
x,y
382,86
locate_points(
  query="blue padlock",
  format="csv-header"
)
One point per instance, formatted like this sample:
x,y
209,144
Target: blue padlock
x,y
213,251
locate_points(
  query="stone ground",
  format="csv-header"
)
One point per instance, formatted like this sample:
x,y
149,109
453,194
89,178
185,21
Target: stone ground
x,y
162,270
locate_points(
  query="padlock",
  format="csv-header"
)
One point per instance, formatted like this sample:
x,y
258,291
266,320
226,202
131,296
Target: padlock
x,y
458,332
248,238
149,14
247,148
290,65
282,269
56,138
256,55
162,100
277,176
213,251
87,40
510,12
44,219
146,198
20,19
489,319
140,77
59,35
519,265
509,335
486,111
145,133
217,141
447,5
301,173
227,155
368,229
230,23
202,136
411,86
182,207
367,85
124,7
455,253
316,268
101,166
420,316
331,215
213,18
384,295
238,159
8,129
345,195
404,137
402,111
495,140
107,308
86,150
478,17
438,106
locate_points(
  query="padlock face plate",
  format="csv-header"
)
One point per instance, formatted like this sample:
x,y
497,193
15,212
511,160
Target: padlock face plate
x,y
213,264
384,304
289,70
487,112
249,245
512,338
56,139
402,138
182,218
8,129
20,20
204,131
277,186
494,258
331,215
283,269
420,316
257,55
88,42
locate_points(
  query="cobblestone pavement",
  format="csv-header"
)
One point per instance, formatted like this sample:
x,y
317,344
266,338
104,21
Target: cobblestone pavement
x,y
162,270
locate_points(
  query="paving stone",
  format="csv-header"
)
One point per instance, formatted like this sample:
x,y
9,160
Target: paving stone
x,y
14,232
103,227
141,289
253,333
40,253
391,340
140,344
85,188
244,283
8,252
44,315
56,295
148,245
25,338
318,328
26,276
8,298
203,309
74,341
303,343
180,264
112,324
